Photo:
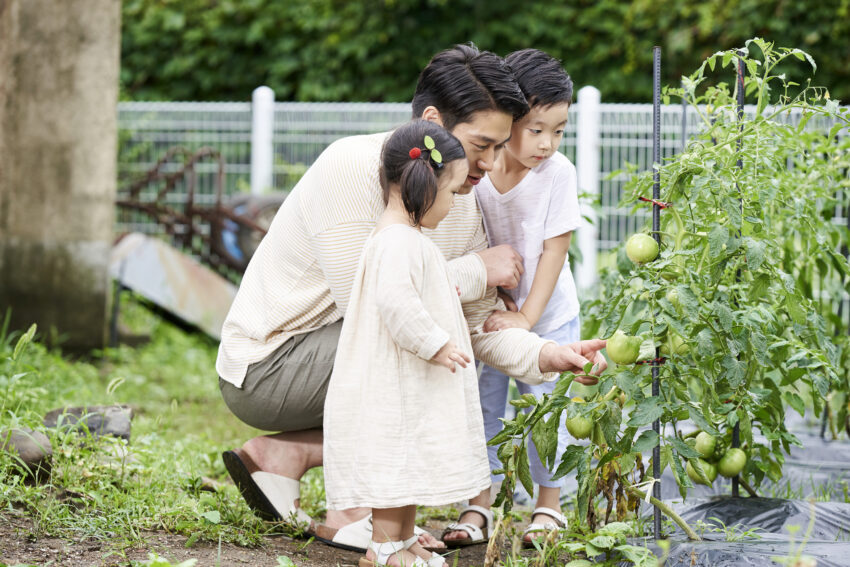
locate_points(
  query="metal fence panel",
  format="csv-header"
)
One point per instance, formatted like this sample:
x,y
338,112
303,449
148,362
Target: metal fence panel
x,y
303,130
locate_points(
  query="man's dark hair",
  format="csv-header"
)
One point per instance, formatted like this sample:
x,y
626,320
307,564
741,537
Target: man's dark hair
x,y
417,176
541,77
462,81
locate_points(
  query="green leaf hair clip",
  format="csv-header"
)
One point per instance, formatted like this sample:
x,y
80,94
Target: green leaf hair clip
x,y
435,155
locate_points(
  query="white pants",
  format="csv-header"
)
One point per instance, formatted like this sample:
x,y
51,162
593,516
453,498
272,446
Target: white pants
x,y
493,391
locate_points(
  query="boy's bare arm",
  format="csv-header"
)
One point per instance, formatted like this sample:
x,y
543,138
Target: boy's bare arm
x,y
548,269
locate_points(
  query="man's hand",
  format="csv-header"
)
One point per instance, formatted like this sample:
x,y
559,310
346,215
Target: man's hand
x,y
573,357
504,266
499,320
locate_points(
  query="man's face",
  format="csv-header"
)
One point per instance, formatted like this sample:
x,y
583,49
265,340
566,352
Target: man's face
x,y
483,137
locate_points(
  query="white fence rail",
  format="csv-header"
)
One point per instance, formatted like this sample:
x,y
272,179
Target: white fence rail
x,y
611,136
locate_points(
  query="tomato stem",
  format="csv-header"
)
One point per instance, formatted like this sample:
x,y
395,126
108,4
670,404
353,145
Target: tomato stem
x,y
666,510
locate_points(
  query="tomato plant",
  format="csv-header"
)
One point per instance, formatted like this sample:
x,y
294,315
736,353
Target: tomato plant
x,y
749,263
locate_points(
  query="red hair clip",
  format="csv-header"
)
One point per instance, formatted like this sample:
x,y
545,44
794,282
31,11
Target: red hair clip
x,y
414,153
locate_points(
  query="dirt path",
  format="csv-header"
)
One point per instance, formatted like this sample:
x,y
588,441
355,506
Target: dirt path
x,y
18,546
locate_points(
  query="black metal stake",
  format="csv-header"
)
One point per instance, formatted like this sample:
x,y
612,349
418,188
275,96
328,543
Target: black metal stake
x,y
656,232
736,431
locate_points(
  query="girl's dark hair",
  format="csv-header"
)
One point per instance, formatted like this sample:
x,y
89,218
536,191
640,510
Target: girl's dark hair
x,y
417,177
462,81
541,77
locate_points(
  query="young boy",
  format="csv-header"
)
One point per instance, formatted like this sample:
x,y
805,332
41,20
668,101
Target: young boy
x,y
529,200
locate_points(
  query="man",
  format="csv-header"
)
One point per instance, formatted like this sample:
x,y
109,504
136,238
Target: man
x,y
279,339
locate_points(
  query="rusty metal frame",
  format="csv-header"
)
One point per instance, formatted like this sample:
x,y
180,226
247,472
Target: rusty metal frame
x,y
184,225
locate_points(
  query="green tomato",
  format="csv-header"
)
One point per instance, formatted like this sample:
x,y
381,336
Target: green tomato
x,y
673,297
584,392
641,248
732,462
623,348
579,427
705,445
675,344
708,469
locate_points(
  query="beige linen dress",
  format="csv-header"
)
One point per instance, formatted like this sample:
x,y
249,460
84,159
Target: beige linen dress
x,y
399,429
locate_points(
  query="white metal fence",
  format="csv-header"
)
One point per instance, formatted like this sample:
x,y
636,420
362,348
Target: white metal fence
x,y
303,130
611,136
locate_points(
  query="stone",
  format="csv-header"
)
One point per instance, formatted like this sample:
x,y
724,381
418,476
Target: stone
x,y
99,420
33,448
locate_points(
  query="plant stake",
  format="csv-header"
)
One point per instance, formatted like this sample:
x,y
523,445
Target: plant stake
x,y
656,232
736,430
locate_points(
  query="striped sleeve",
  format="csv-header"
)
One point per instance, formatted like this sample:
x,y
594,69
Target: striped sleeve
x,y
515,352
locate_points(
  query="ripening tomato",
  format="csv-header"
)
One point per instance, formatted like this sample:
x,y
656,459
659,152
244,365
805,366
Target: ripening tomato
x,y
708,469
641,248
732,462
623,348
705,445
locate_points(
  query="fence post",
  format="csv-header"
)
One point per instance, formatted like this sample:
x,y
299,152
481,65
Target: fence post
x,y
262,130
588,172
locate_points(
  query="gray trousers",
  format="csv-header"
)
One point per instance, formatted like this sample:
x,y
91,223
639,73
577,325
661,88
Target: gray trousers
x,y
286,391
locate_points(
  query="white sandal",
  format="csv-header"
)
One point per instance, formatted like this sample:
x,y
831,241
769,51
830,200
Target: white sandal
x,y
560,521
436,560
385,550
476,534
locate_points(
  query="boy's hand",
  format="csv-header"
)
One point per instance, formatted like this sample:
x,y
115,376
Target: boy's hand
x,y
509,302
499,320
449,355
504,266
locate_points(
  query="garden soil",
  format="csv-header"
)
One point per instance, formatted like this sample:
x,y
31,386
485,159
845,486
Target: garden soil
x,y
19,545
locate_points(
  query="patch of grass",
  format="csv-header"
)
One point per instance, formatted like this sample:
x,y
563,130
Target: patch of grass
x,y
108,489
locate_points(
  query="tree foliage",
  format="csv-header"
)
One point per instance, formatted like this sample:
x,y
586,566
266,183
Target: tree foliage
x,y
333,50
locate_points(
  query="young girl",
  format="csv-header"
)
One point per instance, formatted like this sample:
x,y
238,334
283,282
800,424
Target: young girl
x,y
403,424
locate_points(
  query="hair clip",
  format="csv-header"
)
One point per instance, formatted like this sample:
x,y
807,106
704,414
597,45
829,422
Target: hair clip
x,y
414,153
435,155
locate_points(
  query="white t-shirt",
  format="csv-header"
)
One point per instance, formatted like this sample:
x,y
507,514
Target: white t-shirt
x,y
541,206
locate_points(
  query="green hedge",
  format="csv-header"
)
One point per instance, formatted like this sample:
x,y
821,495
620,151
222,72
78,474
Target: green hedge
x,y
373,50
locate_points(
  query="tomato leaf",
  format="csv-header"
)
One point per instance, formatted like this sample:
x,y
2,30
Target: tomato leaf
x,y
755,253
569,460
795,310
544,434
724,316
718,236
795,402
736,370
683,448
524,472
701,421
647,441
627,382
610,424
647,411
759,286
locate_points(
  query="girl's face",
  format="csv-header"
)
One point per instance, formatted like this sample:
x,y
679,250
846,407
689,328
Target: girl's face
x,y
448,185
537,135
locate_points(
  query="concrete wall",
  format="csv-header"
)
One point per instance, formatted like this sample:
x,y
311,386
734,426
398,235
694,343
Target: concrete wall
x,y
59,64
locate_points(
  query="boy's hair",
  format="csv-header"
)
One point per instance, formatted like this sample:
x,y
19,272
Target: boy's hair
x,y
417,176
541,77
462,81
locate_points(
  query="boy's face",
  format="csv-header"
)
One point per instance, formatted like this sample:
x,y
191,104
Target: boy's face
x,y
538,134
483,137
